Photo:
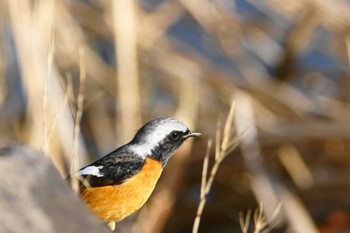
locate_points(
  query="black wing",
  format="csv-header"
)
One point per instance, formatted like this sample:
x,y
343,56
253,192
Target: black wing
x,y
115,168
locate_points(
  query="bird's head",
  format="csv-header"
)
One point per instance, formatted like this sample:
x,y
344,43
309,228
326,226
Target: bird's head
x,y
159,138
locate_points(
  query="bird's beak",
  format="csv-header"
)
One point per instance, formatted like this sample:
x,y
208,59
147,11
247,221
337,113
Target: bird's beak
x,y
192,134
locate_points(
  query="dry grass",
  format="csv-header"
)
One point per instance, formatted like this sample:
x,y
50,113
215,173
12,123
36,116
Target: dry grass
x,y
223,148
288,60
261,223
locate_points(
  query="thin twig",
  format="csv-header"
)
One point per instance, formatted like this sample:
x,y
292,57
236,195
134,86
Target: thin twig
x,y
79,113
227,128
220,154
217,139
244,221
203,185
261,223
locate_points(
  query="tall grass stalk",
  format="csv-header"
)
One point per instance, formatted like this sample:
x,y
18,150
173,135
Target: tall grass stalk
x,y
79,113
50,58
128,100
223,148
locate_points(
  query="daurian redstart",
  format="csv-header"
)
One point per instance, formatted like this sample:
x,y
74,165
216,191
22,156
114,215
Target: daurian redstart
x,y
120,183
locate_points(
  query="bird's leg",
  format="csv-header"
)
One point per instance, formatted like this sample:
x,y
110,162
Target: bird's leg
x,y
111,225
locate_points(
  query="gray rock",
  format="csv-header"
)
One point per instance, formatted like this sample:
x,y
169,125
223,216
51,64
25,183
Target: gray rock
x,y
35,199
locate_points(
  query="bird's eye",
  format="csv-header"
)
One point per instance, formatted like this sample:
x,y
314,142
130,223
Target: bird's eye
x,y
175,135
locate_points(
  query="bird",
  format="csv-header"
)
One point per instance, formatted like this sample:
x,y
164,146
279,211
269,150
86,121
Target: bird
x,y
118,184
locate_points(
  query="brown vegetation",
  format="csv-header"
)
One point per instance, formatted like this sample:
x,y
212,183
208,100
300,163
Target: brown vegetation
x,y
79,77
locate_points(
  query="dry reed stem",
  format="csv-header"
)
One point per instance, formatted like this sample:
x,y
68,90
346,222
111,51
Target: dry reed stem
x,y
262,224
205,172
299,218
295,165
59,112
227,129
3,89
50,58
217,139
27,24
79,113
128,99
3,61
347,44
32,27
244,221
203,188
227,145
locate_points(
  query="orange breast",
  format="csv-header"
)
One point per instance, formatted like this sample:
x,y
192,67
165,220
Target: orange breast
x,y
113,203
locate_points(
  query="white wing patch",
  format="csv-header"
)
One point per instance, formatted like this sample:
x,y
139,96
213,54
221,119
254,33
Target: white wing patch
x,y
91,170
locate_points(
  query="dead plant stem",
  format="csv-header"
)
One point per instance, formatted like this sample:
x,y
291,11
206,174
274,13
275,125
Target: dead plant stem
x,y
79,113
51,53
227,145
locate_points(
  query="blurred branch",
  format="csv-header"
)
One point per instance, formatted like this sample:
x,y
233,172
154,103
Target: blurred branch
x,y
155,25
296,166
304,132
218,22
334,16
297,41
269,191
100,72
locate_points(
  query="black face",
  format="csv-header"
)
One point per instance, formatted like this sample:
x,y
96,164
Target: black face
x,y
168,145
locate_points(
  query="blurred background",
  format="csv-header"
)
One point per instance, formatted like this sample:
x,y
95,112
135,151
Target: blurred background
x,y
110,66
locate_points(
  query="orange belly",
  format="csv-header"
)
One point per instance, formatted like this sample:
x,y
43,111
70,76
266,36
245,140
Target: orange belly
x,y
114,203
